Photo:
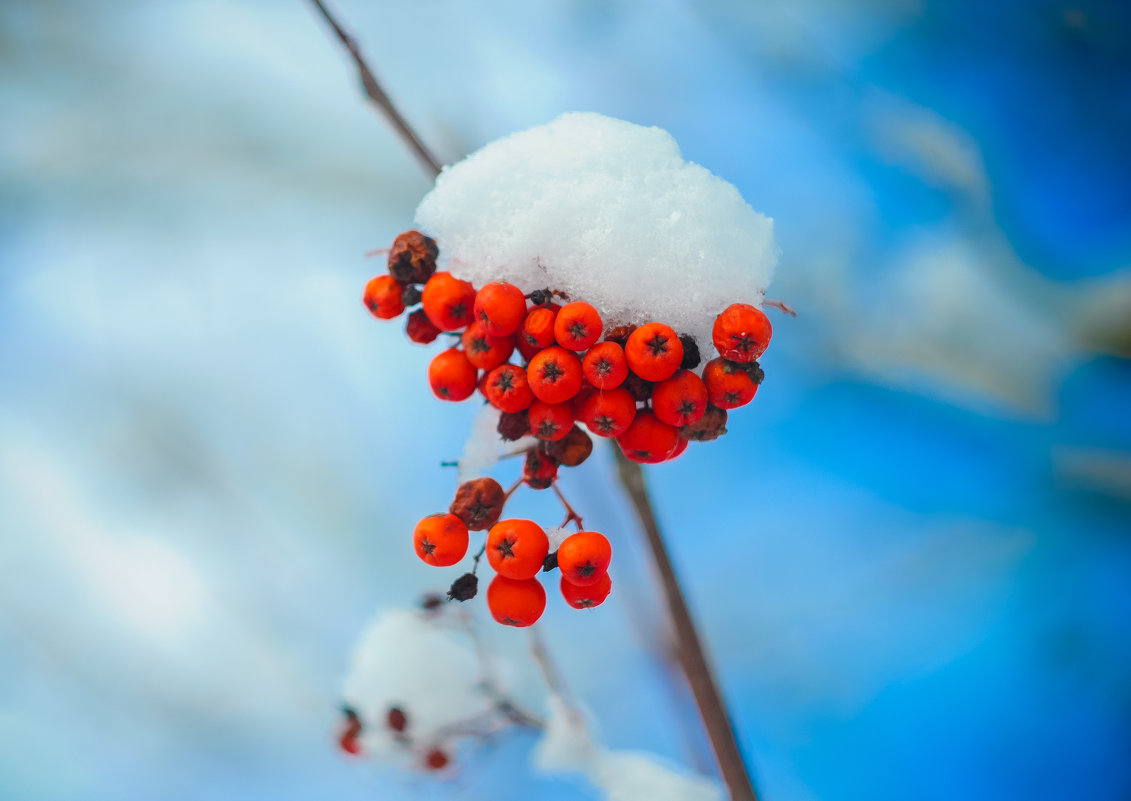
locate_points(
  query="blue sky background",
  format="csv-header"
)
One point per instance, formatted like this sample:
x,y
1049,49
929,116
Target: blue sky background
x,y
910,557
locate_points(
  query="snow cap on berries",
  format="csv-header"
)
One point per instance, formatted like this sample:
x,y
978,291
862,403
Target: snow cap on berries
x,y
608,212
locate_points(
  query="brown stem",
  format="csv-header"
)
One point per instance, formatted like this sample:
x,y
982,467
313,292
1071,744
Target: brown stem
x,y
571,514
511,491
689,648
377,94
780,306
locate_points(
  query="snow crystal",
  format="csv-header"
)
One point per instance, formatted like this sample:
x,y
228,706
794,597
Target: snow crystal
x,y
567,747
484,446
557,536
608,212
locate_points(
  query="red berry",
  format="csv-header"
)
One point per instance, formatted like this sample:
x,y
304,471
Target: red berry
x,y
728,384
742,333
538,327
517,548
577,326
608,414
448,301
383,297
525,349
478,503
550,421
396,720
451,376
605,366
681,400
507,389
440,539
420,329
500,307
436,759
580,597
540,470
554,375
584,557
679,449
654,352
516,602
648,440
486,351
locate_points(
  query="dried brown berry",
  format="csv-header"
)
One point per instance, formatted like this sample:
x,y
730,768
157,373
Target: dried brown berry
x,y
540,469
478,503
550,562
411,295
620,334
637,387
540,297
396,720
691,357
711,425
513,425
464,588
753,369
571,451
412,258
420,329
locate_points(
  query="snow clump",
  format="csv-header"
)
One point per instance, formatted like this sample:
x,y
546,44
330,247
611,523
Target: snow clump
x,y
609,213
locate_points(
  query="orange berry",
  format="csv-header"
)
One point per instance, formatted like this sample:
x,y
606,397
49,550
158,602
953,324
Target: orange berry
x,y
580,597
420,329
584,557
608,414
527,350
448,301
605,366
554,375
516,602
550,421
681,400
742,332
440,539
654,352
500,307
452,376
728,384
517,548
538,327
486,351
383,297
648,440
507,389
412,258
577,326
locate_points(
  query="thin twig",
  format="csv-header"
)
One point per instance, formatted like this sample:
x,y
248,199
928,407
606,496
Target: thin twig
x,y
377,94
512,489
571,514
478,556
780,306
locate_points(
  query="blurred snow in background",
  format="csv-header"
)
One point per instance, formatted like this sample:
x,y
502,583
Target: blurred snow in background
x,y
909,556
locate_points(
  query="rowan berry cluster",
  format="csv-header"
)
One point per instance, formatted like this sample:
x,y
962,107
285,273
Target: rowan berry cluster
x,y
431,757
636,385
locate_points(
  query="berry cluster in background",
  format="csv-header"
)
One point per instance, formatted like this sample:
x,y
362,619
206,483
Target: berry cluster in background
x,y
638,385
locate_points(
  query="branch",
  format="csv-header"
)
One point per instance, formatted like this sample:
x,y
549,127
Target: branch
x,y
377,94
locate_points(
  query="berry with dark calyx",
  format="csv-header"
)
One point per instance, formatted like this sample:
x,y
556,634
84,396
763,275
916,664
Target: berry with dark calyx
x,y
383,297
681,400
637,387
550,421
451,376
500,308
448,301
396,719
436,759
538,328
742,332
508,390
619,334
582,597
464,588
411,295
577,326
584,557
729,385
691,357
525,349
516,602
604,366
479,503
648,439
554,375
571,450
608,414
440,539
711,425
540,470
513,425
486,351
420,329
412,258
517,548
654,352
